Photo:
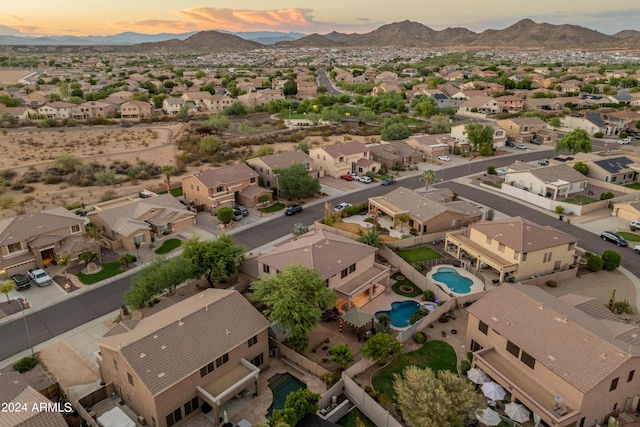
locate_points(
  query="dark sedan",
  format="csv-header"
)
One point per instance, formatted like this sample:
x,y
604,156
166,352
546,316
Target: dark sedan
x,y
22,282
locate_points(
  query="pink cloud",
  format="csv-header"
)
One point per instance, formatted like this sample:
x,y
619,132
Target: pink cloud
x,y
156,26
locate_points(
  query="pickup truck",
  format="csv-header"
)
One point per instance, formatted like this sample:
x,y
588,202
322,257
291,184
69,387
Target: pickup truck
x,y
39,276
637,249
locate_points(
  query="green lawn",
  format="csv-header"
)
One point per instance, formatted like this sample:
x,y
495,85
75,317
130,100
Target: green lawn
x,y
273,208
580,200
396,286
109,269
423,253
350,419
176,192
168,245
632,237
634,185
437,355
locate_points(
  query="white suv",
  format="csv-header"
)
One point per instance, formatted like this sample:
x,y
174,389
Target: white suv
x,y
364,179
635,223
624,141
444,158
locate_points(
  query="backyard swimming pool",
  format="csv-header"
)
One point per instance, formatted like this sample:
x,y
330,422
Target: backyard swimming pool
x,y
401,312
281,385
454,280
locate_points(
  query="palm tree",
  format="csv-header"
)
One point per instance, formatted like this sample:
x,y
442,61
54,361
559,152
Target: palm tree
x,y
63,260
370,237
402,219
167,170
428,177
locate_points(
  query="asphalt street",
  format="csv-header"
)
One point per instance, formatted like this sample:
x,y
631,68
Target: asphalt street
x,y
57,319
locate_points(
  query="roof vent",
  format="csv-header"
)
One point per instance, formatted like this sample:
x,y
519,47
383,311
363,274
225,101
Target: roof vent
x,y
163,347
541,306
155,336
142,355
551,357
603,355
161,374
180,322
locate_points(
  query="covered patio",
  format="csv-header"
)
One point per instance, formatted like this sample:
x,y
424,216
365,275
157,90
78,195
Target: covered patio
x,y
363,288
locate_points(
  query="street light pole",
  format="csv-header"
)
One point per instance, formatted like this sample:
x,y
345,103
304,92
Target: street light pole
x,y
26,327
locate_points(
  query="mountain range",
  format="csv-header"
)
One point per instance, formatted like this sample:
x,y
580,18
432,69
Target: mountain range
x,y
524,34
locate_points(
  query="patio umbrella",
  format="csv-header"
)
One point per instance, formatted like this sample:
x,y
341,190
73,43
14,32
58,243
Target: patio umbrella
x,y
517,412
489,417
493,391
477,376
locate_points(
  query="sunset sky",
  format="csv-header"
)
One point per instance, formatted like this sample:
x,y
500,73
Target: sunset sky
x,y
81,17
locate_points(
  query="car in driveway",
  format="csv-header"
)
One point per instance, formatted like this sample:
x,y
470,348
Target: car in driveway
x,y
543,162
39,276
444,158
635,223
347,177
292,210
364,179
237,214
510,144
624,141
22,282
521,146
612,237
636,249
388,181
243,210
341,206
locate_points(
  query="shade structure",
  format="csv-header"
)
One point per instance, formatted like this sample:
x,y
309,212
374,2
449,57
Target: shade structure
x,y
517,412
493,391
489,417
357,317
477,376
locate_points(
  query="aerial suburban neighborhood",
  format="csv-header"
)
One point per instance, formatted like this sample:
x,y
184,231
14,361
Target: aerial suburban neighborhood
x,y
398,226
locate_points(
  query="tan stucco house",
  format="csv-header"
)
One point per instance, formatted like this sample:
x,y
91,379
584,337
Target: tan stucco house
x,y
523,129
340,159
556,182
203,349
267,165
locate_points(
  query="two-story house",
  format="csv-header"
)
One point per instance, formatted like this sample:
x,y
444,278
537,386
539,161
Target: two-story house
x,y
483,105
395,154
58,110
267,166
513,246
347,266
201,351
340,159
93,110
459,132
569,360
510,103
555,182
224,187
136,110
522,129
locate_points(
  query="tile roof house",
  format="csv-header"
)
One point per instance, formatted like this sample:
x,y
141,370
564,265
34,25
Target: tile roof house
x,y
348,266
628,210
459,132
58,110
557,181
267,165
18,399
484,105
38,239
429,212
340,159
513,246
224,187
592,122
136,110
565,359
396,154
93,109
522,129
131,222
203,349
618,170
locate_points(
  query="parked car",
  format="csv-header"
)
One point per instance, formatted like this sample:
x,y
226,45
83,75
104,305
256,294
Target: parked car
x,y
341,206
510,144
624,141
365,179
292,210
637,249
347,177
243,209
388,181
22,282
444,158
543,162
635,223
39,276
536,141
614,238
521,146
237,214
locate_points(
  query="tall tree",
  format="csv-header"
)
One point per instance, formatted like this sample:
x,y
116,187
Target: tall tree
x,y
214,259
481,138
297,405
295,182
576,141
290,88
427,400
381,347
428,177
295,298
167,171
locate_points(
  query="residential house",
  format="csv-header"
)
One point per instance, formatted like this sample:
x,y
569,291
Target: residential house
x,y
434,146
483,105
56,110
200,351
395,155
224,187
18,113
307,89
429,212
628,210
511,103
569,360
93,110
204,101
340,159
131,222
522,129
347,266
266,166
555,182
172,105
136,110
515,247
459,132
21,404
617,170
591,122
261,97
386,87
543,104
38,239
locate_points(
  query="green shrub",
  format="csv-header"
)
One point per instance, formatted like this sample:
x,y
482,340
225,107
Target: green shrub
x,y
551,283
595,263
598,135
491,170
420,338
606,196
559,209
464,366
611,260
429,295
25,364
622,307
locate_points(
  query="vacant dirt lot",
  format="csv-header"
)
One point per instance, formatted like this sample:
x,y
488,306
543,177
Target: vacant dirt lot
x,y
9,77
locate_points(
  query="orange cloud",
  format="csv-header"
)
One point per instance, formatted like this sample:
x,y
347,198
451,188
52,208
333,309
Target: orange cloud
x,y
234,20
156,26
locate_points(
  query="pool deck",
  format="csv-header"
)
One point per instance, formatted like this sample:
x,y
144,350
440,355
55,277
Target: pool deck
x,y
477,286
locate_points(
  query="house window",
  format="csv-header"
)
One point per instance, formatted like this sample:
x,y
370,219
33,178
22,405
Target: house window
x,y
488,241
582,420
630,377
614,384
75,228
483,327
344,273
130,378
265,268
191,406
614,178
139,239
174,417
222,360
501,247
219,189
528,360
352,268
515,255
253,180
258,360
267,171
206,369
524,256
556,265
14,247
115,364
253,341
261,170
513,349
572,246
475,346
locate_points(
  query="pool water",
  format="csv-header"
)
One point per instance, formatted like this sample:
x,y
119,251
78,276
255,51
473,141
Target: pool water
x,y
453,280
281,385
401,312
